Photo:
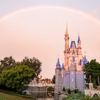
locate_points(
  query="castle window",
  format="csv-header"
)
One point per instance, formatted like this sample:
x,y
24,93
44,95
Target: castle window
x,y
68,51
73,59
73,52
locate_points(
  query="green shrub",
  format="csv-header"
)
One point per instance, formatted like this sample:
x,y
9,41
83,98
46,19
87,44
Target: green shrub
x,y
69,91
64,89
76,91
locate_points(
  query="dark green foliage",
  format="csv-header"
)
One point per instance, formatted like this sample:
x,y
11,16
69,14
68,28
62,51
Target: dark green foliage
x,y
64,89
92,68
7,63
76,91
53,79
80,96
87,98
50,89
94,84
32,63
77,96
69,91
16,78
87,85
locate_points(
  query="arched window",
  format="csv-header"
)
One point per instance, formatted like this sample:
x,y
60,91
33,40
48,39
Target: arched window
x,y
95,96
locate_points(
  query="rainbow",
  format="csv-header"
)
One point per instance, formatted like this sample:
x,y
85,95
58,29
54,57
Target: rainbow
x,y
52,7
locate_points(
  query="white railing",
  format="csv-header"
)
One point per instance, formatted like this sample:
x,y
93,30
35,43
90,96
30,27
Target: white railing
x,y
40,84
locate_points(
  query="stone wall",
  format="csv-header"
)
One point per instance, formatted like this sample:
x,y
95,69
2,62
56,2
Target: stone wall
x,y
37,91
92,92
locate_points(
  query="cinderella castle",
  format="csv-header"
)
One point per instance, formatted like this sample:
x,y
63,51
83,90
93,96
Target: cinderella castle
x,y
71,74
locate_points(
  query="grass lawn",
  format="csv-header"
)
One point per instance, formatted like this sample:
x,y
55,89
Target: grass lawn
x,y
11,97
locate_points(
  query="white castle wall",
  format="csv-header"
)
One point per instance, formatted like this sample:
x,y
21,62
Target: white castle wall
x,y
80,81
72,79
67,80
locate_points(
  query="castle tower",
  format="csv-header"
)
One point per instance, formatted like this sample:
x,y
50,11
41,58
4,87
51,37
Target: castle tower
x,y
62,75
73,57
66,51
62,71
58,79
79,52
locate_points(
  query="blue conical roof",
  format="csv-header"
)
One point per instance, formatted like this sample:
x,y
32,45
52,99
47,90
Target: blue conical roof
x,y
85,60
78,39
62,66
58,62
72,42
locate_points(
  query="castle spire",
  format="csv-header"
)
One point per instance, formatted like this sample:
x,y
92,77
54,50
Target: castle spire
x,y
66,32
66,47
58,62
66,38
79,40
58,66
79,44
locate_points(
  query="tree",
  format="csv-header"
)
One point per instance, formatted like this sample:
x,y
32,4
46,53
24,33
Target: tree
x,y
7,63
92,68
53,79
94,84
16,78
33,63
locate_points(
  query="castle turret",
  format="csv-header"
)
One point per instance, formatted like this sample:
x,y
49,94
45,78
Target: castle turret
x,y
58,66
62,71
58,78
85,60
